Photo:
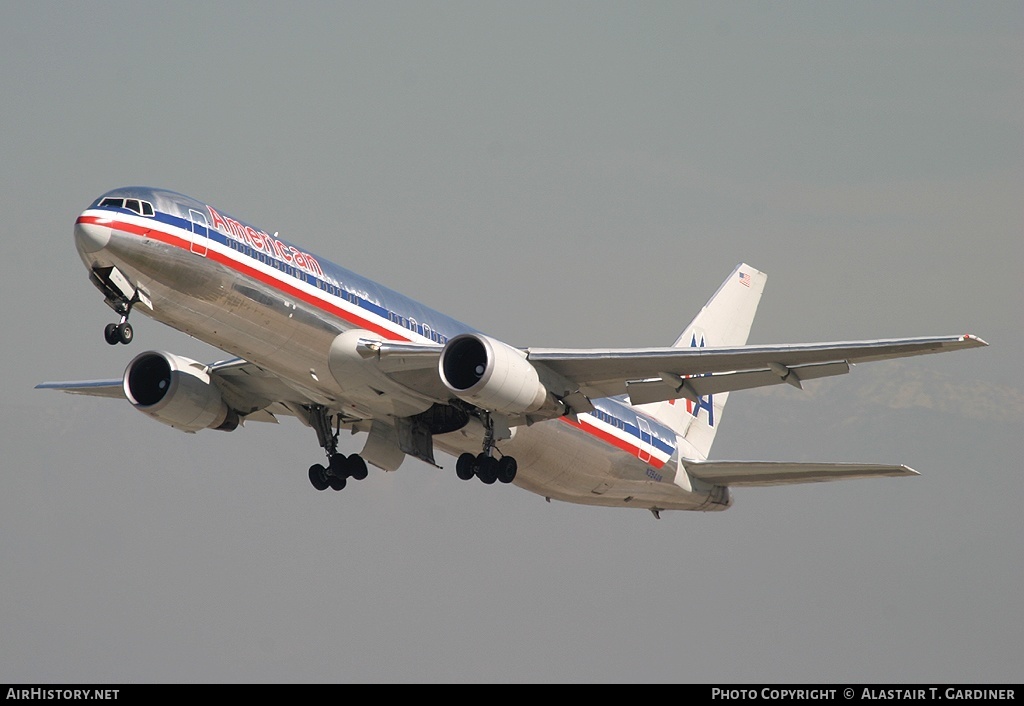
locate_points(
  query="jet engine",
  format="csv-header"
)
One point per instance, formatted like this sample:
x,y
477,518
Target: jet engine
x,y
491,375
176,391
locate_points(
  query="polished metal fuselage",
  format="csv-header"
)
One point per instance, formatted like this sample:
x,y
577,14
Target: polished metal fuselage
x,y
262,299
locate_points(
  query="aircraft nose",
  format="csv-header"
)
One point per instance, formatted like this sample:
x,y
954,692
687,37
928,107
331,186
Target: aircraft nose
x,y
90,236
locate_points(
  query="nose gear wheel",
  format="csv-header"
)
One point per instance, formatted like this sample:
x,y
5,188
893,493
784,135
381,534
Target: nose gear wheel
x,y
119,333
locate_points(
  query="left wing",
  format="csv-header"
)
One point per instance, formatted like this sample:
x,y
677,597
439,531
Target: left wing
x,y
602,373
575,376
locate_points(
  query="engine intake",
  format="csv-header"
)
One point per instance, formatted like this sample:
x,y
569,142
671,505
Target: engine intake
x,y
176,391
491,375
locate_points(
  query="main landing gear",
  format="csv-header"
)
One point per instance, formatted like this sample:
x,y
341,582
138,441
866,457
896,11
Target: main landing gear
x,y
338,470
339,467
487,468
484,466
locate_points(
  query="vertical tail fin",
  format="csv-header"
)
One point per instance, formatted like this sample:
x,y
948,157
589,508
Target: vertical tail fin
x,y
724,321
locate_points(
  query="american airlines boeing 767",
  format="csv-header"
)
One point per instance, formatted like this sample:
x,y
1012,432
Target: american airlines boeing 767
x,y
613,427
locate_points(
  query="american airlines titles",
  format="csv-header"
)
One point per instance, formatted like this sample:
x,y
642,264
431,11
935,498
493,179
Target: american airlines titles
x,y
263,242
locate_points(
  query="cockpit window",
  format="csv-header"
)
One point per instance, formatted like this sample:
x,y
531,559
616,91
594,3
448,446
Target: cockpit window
x,y
143,208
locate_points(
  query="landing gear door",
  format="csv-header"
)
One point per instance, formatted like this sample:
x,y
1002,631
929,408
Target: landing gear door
x,y
200,232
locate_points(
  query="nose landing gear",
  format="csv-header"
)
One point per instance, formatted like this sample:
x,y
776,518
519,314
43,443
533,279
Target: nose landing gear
x,y
119,333
120,295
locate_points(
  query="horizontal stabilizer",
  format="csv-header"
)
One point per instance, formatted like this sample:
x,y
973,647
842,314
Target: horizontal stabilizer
x,y
783,473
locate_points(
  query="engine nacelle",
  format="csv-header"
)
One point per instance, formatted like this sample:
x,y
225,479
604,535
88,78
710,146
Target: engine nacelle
x,y
176,391
491,375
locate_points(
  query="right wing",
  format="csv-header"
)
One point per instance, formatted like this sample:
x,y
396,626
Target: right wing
x,y
257,395
92,388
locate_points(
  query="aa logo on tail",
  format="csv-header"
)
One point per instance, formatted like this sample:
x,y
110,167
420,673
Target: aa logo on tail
x,y
707,403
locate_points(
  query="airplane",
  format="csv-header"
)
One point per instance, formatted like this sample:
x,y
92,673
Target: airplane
x,y
312,340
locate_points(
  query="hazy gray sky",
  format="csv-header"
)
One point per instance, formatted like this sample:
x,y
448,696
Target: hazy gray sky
x,y
556,174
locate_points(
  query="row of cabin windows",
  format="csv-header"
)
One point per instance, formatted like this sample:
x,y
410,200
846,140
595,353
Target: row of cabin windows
x,y
605,417
143,208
